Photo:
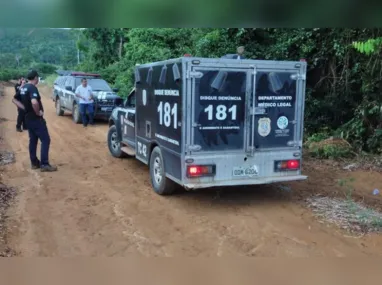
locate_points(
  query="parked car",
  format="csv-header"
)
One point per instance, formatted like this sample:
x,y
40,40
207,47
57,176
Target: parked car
x,y
105,98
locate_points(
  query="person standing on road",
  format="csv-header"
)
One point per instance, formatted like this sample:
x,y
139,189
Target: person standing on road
x,y
240,53
20,124
29,100
85,93
18,84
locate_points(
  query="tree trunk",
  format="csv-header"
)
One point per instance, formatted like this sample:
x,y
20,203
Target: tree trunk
x,y
78,50
120,45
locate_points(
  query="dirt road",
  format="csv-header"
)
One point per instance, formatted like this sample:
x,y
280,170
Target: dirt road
x,y
96,205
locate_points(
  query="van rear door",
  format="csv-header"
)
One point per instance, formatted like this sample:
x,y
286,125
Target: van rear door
x,y
220,96
247,108
277,109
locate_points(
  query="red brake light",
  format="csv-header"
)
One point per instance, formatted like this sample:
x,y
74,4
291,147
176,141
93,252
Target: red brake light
x,y
293,164
187,55
200,170
285,165
303,59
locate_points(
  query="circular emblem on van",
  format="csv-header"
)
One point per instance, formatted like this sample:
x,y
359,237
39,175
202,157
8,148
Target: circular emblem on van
x,y
144,97
264,127
282,122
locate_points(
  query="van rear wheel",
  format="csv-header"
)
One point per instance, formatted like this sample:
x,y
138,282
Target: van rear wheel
x,y
114,143
59,110
76,114
161,184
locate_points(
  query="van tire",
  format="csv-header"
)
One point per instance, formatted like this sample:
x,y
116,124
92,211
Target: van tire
x,y
59,110
76,114
113,143
160,183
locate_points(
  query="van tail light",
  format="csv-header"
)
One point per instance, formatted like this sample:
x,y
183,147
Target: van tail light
x,y
200,170
287,165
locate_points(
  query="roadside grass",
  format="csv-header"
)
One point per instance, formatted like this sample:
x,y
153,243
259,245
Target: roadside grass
x,y
346,213
49,80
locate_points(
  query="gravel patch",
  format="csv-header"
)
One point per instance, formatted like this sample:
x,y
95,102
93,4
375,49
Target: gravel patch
x,y
6,157
7,194
346,214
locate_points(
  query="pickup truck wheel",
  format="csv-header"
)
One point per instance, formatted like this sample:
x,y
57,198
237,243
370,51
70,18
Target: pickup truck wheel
x,y
114,143
161,184
59,111
76,114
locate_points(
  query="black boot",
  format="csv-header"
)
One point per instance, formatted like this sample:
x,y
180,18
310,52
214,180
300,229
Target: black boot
x,y
36,165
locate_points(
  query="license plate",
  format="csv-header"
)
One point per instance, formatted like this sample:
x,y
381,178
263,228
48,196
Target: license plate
x,y
106,109
245,171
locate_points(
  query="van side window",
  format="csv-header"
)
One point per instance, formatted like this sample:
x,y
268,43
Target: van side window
x,y
149,78
131,100
67,82
163,74
137,76
176,72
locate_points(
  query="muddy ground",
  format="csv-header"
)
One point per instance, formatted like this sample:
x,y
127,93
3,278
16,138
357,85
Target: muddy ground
x,y
96,205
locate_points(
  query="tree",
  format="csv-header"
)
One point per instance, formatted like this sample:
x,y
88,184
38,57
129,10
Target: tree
x,y
343,85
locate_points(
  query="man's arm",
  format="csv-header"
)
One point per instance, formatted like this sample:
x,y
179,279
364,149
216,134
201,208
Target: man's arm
x,y
18,103
17,100
36,107
77,94
91,93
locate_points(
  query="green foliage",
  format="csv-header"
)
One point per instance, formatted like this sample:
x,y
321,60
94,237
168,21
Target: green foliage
x,y
104,49
19,48
321,146
371,46
49,80
330,151
44,69
10,74
343,85
317,137
364,129
347,183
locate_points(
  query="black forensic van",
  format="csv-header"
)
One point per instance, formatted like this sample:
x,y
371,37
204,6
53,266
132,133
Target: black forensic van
x,y
202,122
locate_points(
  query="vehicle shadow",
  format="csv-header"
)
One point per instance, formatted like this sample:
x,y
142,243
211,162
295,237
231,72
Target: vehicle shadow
x,y
236,195
227,196
97,121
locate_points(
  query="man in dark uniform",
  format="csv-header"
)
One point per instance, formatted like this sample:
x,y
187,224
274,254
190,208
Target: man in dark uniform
x,y
18,84
29,100
20,124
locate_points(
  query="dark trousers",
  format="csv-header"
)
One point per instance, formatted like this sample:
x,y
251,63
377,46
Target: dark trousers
x,y
21,119
89,109
38,131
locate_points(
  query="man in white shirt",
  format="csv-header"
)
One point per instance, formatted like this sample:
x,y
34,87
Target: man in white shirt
x,y
240,52
84,92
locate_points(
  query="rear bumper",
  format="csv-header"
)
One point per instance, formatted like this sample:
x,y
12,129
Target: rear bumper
x,y
238,182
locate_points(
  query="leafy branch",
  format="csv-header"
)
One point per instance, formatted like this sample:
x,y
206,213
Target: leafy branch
x,y
369,47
